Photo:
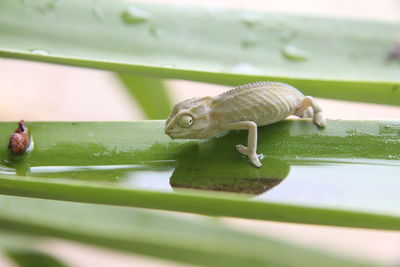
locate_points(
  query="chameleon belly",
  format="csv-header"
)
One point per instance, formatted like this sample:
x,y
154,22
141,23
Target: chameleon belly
x,y
263,103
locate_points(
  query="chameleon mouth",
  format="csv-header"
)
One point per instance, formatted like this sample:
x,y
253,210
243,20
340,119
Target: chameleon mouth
x,y
193,134
175,135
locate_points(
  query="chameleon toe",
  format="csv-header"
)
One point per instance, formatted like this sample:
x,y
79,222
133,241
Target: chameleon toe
x,y
319,120
242,149
254,160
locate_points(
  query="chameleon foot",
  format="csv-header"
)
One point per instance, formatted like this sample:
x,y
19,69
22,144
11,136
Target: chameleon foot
x,y
252,155
319,119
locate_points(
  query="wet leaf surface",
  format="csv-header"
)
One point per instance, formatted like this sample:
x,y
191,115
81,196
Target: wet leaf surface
x,y
351,167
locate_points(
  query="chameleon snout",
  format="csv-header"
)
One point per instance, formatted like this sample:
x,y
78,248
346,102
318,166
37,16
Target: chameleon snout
x,y
169,131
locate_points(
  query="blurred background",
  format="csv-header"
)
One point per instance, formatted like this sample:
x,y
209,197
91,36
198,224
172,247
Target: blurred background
x,y
60,93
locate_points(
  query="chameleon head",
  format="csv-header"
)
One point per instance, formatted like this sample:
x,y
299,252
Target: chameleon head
x,y
191,119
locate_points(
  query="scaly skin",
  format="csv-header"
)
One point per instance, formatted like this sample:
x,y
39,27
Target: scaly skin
x,y
242,108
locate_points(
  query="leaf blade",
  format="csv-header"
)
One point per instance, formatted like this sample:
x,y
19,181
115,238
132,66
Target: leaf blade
x,y
155,48
150,93
198,242
141,146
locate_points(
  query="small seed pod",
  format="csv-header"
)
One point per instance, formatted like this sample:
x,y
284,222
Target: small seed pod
x,y
20,140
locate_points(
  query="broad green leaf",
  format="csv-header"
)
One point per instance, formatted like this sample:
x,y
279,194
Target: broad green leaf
x,y
14,241
33,258
20,248
344,175
334,58
199,242
150,93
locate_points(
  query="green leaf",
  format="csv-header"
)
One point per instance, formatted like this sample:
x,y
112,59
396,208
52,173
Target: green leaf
x,y
330,176
191,241
33,258
334,58
20,247
150,93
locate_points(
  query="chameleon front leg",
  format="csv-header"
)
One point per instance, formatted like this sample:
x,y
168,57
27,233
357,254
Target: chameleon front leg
x,y
250,150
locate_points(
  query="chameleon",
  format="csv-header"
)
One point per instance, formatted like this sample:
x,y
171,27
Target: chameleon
x,y
242,108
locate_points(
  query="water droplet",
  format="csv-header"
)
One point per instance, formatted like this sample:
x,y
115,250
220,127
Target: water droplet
x,y
98,13
250,19
286,35
154,31
168,66
211,12
39,52
248,41
134,15
294,53
53,4
245,68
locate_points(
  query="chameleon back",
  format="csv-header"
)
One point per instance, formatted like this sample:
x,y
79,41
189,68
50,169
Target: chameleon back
x,y
262,102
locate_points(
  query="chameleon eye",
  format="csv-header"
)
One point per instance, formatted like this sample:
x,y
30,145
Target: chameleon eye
x,y
185,121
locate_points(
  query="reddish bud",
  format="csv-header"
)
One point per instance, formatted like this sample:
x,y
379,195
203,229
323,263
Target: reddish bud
x,y
19,141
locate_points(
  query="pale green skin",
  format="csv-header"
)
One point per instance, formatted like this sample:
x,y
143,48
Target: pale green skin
x,y
242,108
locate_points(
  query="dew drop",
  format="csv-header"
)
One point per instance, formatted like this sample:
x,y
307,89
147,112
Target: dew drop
x,y
54,4
154,31
169,66
133,15
292,52
245,68
39,52
98,13
248,42
286,35
210,12
249,19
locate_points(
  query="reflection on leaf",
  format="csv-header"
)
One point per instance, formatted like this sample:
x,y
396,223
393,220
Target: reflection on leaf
x,y
216,165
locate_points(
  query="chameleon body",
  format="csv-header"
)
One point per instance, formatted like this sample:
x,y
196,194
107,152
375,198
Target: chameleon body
x,y
242,108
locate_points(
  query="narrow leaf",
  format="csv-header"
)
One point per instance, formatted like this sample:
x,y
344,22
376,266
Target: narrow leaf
x,y
150,93
33,258
21,248
321,176
197,242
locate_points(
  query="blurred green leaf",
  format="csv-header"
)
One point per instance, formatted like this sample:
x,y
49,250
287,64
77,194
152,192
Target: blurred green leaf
x,y
22,249
334,58
191,241
33,258
150,93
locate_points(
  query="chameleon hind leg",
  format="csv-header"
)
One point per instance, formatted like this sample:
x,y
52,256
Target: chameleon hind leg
x,y
304,106
250,150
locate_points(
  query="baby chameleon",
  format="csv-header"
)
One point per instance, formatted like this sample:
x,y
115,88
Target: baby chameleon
x,y
242,108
